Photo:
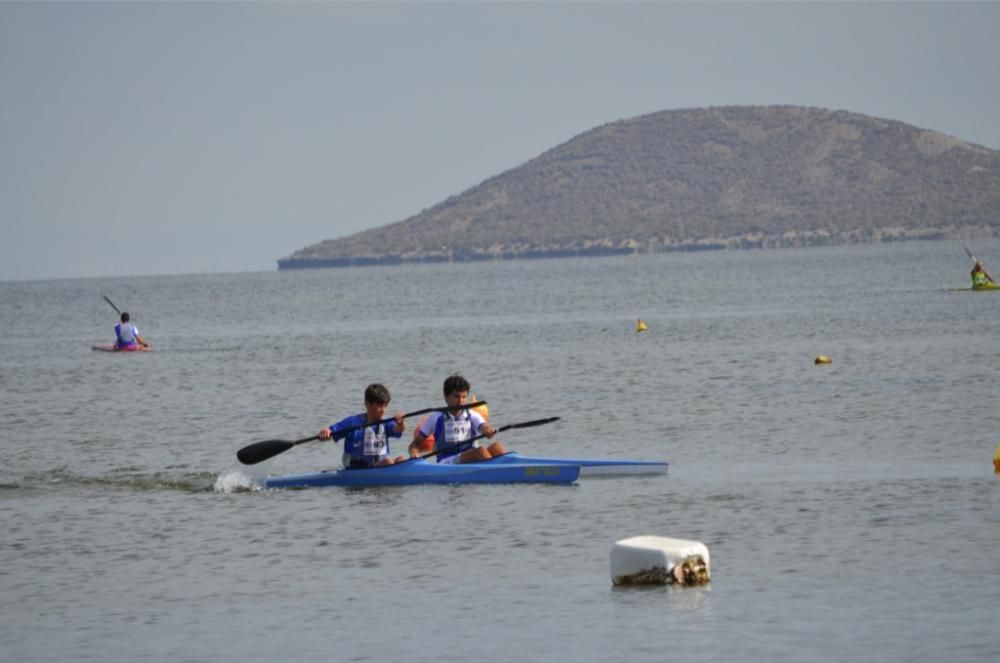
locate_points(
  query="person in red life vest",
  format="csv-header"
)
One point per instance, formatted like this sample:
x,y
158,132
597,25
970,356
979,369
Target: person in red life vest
x,y
454,430
368,445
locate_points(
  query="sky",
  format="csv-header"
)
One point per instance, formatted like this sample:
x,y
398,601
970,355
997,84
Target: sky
x,y
144,138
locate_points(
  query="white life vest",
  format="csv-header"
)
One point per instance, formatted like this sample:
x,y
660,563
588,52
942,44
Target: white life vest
x,y
126,333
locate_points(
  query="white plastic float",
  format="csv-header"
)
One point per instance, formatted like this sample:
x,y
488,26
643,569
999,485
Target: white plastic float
x,y
658,560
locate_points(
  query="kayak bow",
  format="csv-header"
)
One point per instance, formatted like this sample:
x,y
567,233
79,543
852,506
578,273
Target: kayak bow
x,y
589,467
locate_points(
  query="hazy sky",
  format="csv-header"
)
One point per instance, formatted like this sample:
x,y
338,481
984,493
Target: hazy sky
x,y
145,138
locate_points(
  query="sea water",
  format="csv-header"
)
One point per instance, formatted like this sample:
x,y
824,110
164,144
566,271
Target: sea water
x,y
851,509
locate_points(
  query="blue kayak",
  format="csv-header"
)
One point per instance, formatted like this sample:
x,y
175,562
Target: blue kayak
x,y
419,471
588,467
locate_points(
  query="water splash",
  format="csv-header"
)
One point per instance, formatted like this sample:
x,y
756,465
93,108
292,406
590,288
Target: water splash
x,y
235,481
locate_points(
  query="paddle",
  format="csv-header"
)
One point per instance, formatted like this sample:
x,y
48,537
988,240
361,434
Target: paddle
x,y
112,304
969,253
462,445
258,451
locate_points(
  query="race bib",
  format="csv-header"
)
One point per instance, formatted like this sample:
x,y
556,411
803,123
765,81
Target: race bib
x,y
375,442
457,430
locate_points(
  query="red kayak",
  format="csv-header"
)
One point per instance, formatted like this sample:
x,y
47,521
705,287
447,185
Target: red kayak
x,y
114,348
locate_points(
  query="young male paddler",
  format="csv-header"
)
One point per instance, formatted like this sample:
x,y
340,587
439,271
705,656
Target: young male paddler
x,y
454,429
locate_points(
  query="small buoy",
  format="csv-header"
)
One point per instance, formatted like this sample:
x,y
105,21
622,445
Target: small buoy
x,y
823,359
640,326
658,560
483,409
996,460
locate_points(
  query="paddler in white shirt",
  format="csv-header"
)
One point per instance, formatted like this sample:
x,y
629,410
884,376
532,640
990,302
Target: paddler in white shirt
x,y
127,336
453,430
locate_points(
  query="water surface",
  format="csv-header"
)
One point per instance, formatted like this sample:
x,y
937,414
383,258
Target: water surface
x,y
850,509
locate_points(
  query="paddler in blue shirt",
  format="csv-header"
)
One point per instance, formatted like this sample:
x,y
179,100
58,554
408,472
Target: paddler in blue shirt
x,y
127,336
368,446
454,428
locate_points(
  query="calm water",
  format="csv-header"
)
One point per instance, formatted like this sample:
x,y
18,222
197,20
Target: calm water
x,y
850,509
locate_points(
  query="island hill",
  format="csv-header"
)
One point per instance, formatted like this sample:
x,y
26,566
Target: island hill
x,y
714,178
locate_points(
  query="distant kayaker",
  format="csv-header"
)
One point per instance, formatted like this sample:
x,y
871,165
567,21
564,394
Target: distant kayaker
x,y
980,277
453,430
368,446
127,336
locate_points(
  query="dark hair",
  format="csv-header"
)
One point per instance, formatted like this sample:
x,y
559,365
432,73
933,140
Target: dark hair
x,y
377,393
125,317
455,383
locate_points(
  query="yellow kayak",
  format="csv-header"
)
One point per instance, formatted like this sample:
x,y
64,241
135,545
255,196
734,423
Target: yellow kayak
x,y
986,286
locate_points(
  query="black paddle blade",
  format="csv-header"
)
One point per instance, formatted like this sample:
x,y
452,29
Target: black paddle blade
x,y
258,451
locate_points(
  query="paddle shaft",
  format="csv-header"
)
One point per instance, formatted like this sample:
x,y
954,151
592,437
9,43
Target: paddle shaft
x,y
464,445
260,451
416,413
112,304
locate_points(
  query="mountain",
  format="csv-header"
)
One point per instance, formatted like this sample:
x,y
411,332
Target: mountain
x,y
712,178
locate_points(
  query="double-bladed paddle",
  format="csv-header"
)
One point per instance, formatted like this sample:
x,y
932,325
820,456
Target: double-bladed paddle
x,y
465,445
258,451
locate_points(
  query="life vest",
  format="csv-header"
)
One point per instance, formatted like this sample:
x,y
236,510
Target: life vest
x,y
125,334
979,278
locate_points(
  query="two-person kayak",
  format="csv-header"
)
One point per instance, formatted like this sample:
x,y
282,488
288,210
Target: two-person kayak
x,y
509,468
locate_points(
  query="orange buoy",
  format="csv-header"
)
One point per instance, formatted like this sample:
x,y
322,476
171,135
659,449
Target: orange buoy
x,y
428,442
483,410
640,326
996,460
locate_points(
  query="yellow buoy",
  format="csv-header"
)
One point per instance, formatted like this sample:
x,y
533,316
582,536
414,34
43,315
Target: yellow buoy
x,y
823,359
996,460
640,326
483,409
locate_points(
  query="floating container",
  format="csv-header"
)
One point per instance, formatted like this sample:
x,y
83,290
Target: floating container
x,y
658,560
823,359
